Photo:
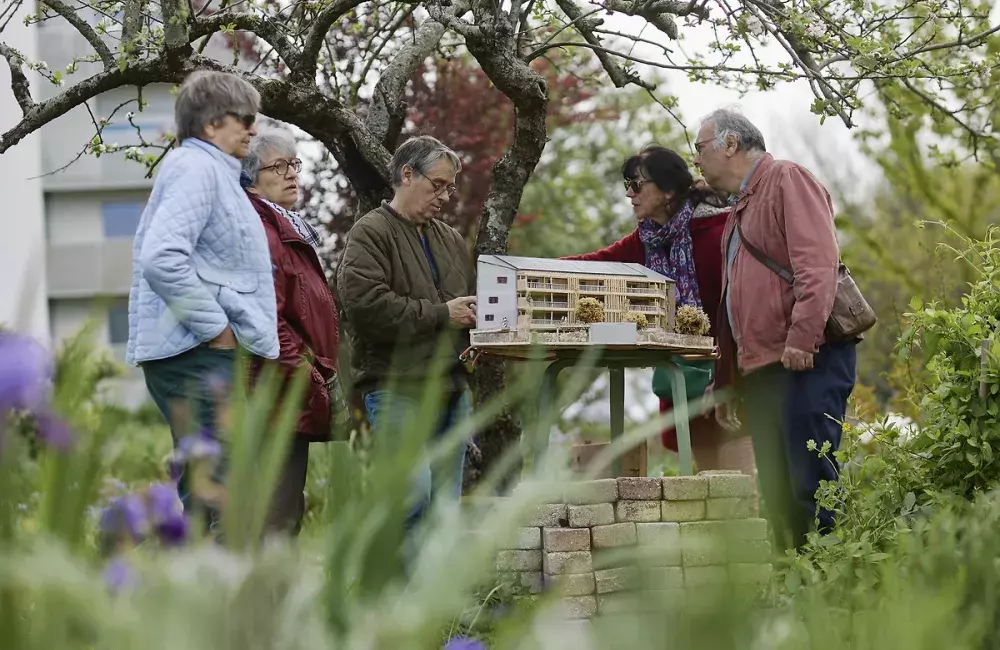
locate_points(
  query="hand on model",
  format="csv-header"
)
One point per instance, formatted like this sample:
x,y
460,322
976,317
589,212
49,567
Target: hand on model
x,y
462,311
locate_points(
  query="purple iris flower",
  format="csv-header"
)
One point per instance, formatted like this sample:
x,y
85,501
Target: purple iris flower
x,y
464,643
119,575
199,446
54,431
126,516
25,373
167,514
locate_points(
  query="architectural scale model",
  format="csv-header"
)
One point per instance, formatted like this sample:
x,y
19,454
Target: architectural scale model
x,y
523,300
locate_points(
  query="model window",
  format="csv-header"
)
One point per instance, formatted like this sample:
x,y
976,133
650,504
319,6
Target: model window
x,y
494,300
489,316
502,279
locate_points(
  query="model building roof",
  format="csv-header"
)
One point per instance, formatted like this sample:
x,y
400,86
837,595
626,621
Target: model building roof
x,y
573,266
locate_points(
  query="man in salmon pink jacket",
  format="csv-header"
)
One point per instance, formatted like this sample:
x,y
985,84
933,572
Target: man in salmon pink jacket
x,y
793,383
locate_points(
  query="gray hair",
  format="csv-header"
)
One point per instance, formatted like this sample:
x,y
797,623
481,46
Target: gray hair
x,y
733,123
268,139
420,153
206,97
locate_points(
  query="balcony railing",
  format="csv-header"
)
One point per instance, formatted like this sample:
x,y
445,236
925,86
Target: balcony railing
x,y
549,287
647,309
546,321
549,305
644,290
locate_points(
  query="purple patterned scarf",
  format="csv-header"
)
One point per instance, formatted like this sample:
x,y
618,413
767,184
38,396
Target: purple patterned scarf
x,y
669,251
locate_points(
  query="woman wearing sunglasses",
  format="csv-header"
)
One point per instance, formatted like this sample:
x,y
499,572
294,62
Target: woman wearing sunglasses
x,y
679,235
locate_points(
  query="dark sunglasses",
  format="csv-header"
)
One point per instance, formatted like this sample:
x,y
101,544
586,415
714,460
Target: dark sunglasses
x,y
635,184
246,120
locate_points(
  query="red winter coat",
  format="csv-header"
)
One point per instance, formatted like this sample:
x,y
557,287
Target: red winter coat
x,y
308,324
706,239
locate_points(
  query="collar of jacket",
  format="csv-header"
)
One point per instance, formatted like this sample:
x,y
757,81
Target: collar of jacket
x,y
763,164
389,210
286,231
232,163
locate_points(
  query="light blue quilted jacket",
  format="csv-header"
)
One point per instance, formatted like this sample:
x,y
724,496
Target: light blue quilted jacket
x,y
200,261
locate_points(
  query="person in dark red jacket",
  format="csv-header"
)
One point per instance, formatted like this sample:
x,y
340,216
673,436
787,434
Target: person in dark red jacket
x,y
679,234
308,327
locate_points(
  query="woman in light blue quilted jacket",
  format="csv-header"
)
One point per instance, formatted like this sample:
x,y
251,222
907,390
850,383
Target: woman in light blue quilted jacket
x,y
202,285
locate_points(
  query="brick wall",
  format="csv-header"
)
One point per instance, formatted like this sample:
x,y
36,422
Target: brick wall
x,y
613,544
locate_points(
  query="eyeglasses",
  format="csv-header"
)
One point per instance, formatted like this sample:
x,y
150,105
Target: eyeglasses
x,y
281,167
440,187
246,120
635,184
699,145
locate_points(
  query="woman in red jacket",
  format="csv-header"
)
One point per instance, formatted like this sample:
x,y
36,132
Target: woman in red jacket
x,y
679,235
308,327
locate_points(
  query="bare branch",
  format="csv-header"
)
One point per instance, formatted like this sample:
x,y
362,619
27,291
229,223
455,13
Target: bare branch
x,y
18,81
387,110
85,30
618,75
317,33
266,28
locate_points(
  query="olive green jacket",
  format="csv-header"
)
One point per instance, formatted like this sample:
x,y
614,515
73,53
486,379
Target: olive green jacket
x,y
394,314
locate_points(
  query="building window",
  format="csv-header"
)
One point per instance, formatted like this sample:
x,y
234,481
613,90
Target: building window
x,y
118,324
489,317
494,300
121,218
502,279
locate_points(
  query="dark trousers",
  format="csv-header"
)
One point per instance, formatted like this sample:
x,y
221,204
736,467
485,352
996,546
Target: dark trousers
x,y
188,390
784,410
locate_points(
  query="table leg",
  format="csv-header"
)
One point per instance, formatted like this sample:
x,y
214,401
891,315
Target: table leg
x,y
682,424
617,396
547,403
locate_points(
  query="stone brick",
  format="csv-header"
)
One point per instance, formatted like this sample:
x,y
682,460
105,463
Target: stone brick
x,y
598,514
617,579
703,543
749,551
603,490
659,533
728,508
523,581
568,562
682,510
617,603
526,539
659,578
639,488
566,539
703,576
579,606
666,599
749,574
571,584
549,514
718,472
613,535
730,486
684,488
744,529
637,511
519,561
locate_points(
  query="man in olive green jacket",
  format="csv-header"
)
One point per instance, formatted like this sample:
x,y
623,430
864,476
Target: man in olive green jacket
x,y
407,288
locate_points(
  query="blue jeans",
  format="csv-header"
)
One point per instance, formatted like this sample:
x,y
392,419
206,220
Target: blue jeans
x,y
784,410
388,413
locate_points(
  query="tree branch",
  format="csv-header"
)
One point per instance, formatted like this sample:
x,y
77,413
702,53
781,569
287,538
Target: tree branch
x,y
268,29
85,30
618,75
387,109
19,83
317,33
